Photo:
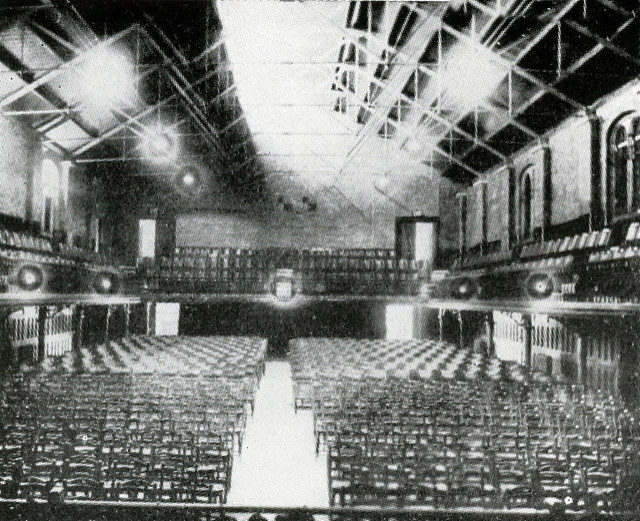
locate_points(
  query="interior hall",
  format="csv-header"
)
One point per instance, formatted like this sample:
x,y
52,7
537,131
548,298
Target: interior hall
x,y
269,260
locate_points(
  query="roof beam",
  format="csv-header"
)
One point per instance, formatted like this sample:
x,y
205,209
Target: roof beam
x,y
166,39
208,50
193,107
393,86
551,24
453,125
146,112
197,98
483,103
508,65
571,69
615,7
196,105
607,44
166,60
52,122
73,48
399,127
234,122
495,13
34,112
46,94
54,73
416,102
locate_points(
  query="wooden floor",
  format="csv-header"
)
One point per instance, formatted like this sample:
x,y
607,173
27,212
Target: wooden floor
x,y
278,465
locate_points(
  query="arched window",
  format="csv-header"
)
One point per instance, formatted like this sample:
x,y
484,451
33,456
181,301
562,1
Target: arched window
x,y
50,193
624,165
619,159
526,195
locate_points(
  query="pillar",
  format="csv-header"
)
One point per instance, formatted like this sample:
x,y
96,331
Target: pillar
x,y
528,330
461,330
78,324
127,319
106,326
462,222
489,326
597,210
485,215
8,355
547,191
440,324
581,355
42,322
150,312
513,206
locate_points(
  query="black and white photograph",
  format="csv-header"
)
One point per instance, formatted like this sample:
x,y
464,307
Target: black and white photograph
x,y
319,260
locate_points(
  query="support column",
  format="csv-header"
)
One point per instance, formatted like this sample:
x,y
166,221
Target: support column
x,y
513,206
462,222
42,323
440,324
150,309
547,191
461,330
127,319
581,355
528,330
77,325
485,216
597,210
8,355
489,326
106,326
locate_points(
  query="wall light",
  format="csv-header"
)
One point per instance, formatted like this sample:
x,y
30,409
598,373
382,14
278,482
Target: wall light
x,y
464,288
106,283
539,285
30,277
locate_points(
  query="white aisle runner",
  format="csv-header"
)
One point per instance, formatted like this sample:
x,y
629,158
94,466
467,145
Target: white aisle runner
x,y
278,465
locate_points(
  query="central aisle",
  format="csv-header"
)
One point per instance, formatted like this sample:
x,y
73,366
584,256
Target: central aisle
x,y
278,465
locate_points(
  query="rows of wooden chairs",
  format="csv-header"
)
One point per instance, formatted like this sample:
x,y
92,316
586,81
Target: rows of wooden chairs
x,y
318,361
282,255
167,434
510,441
25,247
229,356
320,272
592,266
24,241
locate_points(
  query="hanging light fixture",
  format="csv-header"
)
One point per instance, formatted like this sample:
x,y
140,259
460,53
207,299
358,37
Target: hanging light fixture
x,y
159,144
187,180
106,79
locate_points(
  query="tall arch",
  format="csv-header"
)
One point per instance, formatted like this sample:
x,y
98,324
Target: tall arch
x,y
623,165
